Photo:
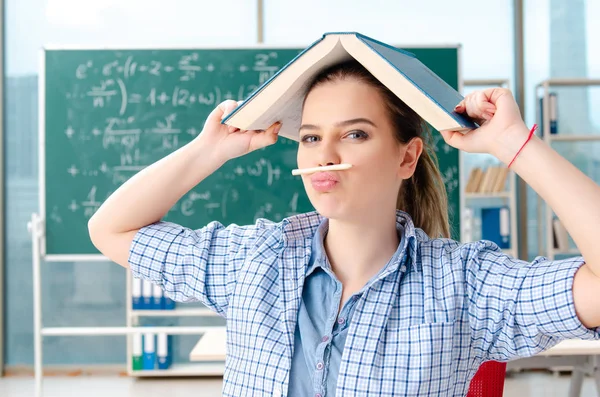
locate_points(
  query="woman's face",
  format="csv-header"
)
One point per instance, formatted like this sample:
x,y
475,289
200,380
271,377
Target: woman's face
x,y
346,122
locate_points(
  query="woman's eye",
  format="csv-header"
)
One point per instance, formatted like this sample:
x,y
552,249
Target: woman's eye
x,y
309,138
358,134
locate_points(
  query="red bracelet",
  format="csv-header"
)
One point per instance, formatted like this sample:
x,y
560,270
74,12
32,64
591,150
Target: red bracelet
x,y
528,139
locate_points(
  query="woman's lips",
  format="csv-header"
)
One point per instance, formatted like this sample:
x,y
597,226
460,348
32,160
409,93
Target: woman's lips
x,y
324,181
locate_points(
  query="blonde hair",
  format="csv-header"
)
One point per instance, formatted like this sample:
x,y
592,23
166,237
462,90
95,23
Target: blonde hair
x,y
423,196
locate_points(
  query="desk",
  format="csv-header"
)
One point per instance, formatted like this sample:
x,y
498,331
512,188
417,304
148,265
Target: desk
x,y
211,347
574,348
583,356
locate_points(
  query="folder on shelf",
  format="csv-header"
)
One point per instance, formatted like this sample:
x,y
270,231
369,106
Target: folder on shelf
x,y
147,288
163,351
136,294
553,114
149,357
167,303
157,297
137,352
495,225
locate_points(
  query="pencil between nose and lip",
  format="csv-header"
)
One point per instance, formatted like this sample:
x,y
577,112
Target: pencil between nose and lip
x,y
326,168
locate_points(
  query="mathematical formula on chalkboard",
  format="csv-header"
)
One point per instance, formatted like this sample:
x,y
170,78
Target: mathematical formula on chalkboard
x,y
109,114
120,112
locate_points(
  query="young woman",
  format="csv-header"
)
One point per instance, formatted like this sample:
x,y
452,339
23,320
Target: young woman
x,y
367,296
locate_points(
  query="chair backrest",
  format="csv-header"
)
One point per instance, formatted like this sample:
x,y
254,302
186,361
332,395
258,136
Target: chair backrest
x,y
488,380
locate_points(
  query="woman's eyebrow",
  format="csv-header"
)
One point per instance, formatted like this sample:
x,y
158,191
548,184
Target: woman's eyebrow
x,y
344,123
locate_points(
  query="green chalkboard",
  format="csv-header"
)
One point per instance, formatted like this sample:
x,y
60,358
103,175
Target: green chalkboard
x,y
109,113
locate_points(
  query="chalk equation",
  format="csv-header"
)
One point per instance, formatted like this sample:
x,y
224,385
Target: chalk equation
x,y
109,92
187,68
210,204
111,82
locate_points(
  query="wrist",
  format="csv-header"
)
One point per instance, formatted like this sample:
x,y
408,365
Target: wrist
x,y
202,155
510,142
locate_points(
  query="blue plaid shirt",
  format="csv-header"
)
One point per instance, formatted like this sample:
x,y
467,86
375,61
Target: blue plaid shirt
x,y
424,326
321,333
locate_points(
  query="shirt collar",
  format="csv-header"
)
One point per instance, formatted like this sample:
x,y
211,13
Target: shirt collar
x,y
318,257
405,253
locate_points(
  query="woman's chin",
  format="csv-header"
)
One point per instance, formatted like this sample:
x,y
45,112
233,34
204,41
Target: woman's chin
x,y
331,210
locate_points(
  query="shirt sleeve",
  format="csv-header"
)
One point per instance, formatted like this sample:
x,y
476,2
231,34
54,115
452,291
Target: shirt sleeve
x,y
192,265
516,308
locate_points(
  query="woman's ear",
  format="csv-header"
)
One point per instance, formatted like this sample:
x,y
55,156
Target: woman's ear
x,y
410,157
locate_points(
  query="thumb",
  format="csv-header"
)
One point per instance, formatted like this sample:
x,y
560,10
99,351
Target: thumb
x,y
223,109
454,138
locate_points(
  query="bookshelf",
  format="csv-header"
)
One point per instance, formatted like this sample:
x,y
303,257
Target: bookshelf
x,y
196,368
545,115
502,195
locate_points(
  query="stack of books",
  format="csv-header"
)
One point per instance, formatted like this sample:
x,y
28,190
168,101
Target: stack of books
x,y
491,180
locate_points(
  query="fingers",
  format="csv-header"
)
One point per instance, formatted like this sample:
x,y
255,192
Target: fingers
x,y
266,137
478,105
226,107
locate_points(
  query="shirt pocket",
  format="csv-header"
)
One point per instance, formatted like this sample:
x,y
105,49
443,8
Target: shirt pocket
x,y
424,359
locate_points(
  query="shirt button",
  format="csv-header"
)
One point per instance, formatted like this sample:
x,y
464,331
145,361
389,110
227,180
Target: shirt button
x,y
403,268
318,395
319,365
325,338
341,320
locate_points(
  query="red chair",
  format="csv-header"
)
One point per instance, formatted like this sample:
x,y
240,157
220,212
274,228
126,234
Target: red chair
x,y
488,380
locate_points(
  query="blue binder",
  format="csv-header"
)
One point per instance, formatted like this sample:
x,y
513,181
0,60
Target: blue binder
x,y
149,357
495,225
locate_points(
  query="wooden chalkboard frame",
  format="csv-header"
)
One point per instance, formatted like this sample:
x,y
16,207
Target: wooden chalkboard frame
x,y
42,126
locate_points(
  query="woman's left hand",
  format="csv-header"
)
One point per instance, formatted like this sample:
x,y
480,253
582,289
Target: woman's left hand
x,y
502,130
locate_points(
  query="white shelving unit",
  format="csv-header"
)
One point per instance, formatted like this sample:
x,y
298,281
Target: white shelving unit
x,y
40,332
508,197
196,368
544,212
180,370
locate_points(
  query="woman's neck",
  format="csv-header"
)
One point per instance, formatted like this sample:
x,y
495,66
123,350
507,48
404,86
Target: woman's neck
x,y
359,250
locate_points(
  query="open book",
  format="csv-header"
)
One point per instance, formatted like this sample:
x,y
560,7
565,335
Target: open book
x,y
281,97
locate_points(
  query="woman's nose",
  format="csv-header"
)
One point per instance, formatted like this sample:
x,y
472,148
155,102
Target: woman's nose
x,y
328,155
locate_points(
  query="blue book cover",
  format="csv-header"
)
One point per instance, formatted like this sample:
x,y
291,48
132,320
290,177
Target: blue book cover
x,y
422,77
495,226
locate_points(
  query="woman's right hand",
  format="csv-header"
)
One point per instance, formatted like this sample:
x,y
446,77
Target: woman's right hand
x,y
229,142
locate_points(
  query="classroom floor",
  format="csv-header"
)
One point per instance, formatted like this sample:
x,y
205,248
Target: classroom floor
x,y
518,385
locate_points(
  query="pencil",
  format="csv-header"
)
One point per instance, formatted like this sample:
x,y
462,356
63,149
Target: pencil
x,y
335,167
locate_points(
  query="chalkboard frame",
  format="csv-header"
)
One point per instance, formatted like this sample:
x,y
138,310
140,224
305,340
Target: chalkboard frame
x,y
42,125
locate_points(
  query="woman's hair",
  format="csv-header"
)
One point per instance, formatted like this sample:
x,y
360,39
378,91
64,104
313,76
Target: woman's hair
x,y
423,196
